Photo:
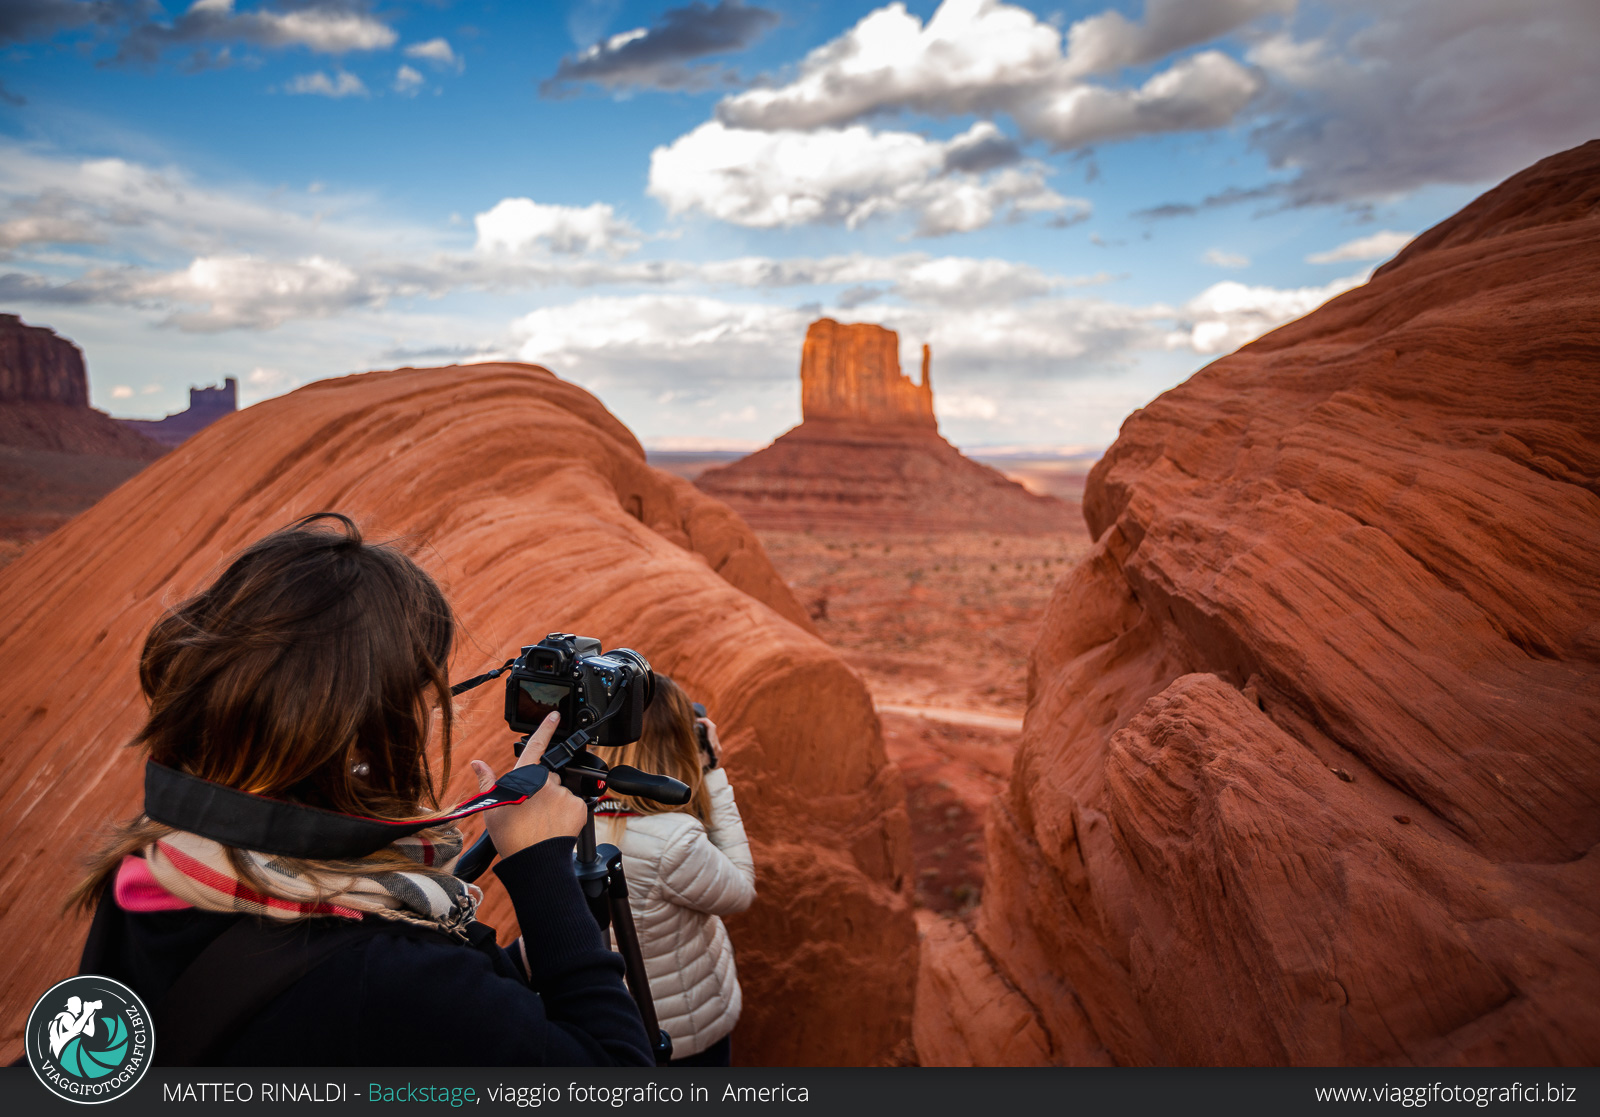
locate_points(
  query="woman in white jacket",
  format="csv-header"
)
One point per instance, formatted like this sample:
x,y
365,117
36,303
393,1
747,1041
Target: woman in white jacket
x,y
686,866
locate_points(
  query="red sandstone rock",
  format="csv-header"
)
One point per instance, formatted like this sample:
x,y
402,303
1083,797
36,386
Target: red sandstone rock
x,y
36,366
44,399
534,507
853,372
867,455
1346,576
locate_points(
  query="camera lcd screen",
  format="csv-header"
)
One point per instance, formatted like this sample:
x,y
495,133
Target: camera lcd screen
x,y
535,700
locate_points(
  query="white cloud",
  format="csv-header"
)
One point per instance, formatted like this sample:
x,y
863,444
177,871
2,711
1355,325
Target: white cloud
x,y
1398,95
1201,92
47,227
327,28
1110,40
436,51
663,56
992,322
1378,246
914,277
954,280
1229,314
986,57
844,176
145,213
407,81
271,380
703,345
122,391
342,84
1218,258
709,347
249,292
516,225
966,405
968,58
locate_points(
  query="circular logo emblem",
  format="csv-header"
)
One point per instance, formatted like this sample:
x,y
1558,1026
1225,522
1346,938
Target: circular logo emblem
x,y
89,1039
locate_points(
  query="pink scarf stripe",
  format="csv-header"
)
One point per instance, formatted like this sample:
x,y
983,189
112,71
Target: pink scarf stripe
x,y
136,890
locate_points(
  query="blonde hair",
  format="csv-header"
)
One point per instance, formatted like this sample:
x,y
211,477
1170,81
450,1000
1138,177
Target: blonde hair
x,y
668,747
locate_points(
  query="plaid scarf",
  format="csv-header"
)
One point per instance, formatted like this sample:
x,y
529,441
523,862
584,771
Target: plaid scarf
x,y
198,870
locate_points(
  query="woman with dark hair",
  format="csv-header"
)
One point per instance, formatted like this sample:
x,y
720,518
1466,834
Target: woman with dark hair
x,y
310,674
686,866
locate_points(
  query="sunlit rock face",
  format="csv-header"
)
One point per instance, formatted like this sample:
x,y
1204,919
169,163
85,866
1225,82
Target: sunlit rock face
x,y
853,373
1311,765
868,457
534,508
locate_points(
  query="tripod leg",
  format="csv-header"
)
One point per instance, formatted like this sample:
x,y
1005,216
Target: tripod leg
x,y
627,936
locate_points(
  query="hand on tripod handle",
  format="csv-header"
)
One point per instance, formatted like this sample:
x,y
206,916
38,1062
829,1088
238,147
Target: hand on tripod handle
x,y
552,812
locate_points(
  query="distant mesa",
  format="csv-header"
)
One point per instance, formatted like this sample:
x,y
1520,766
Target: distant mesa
x,y
206,406
58,455
44,399
36,366
867,455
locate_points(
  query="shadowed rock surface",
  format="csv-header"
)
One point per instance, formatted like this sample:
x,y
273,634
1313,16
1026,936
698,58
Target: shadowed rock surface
x,y
535,509
36,366
44,399
867,455
1311,767
57,454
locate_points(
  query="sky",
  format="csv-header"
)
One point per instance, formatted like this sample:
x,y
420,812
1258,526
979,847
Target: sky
x,y
1077,205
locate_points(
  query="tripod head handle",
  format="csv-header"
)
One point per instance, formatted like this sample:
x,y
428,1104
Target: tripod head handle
x,y
627,780
586,775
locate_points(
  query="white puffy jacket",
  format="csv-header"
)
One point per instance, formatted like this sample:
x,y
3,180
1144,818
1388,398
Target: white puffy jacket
x,y
682,875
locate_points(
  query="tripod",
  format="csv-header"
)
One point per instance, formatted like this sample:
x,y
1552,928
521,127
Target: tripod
x,y
599,867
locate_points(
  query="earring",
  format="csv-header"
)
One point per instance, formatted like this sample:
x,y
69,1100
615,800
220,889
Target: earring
x,y
362,769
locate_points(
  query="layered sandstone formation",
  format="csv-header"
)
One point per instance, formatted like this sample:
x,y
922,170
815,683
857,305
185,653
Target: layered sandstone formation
x,y
1311,766
867,455
853,372
36,366
57,454
535,509
44,399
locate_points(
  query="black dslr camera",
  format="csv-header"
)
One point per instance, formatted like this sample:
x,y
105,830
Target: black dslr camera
x,y
569,674
601,697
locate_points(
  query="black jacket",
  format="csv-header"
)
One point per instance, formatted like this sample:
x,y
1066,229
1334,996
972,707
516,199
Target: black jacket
x,y
397,998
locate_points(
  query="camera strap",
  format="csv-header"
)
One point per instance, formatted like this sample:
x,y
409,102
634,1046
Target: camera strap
x,y
245,821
